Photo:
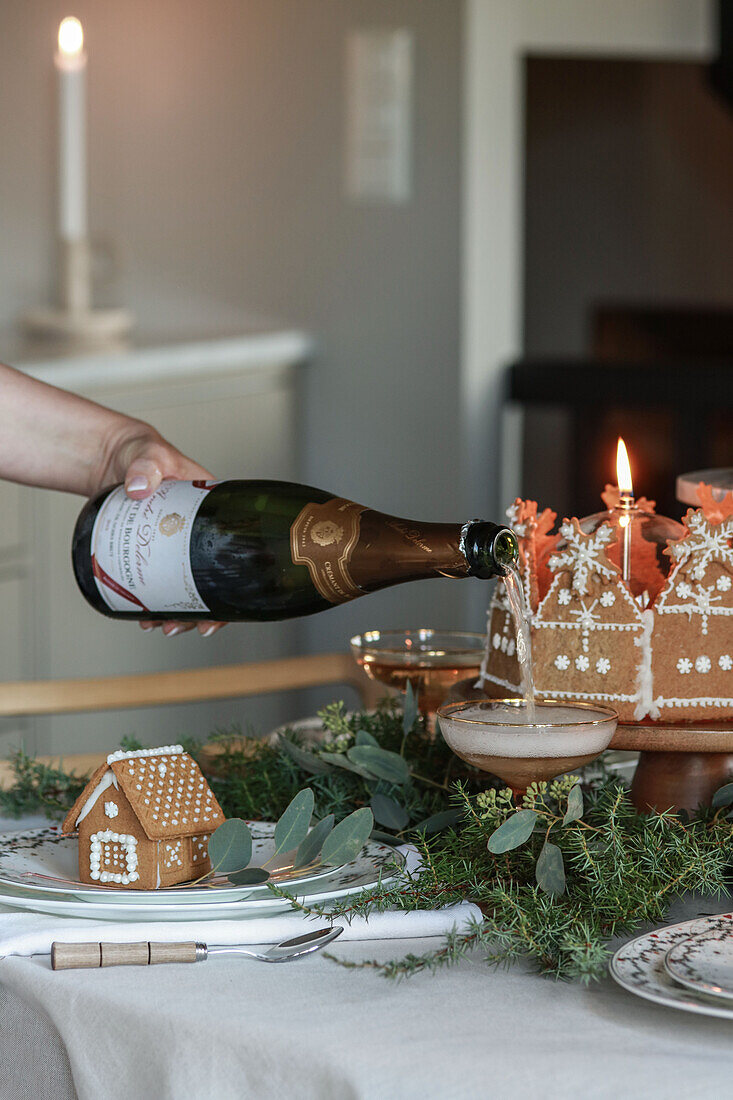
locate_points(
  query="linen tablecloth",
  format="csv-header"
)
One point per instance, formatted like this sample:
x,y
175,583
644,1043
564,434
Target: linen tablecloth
x,y
312,1029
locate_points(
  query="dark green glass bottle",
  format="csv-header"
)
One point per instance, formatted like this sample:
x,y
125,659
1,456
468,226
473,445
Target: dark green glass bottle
x,y
259,550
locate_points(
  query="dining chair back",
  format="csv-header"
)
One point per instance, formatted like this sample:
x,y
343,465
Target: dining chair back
x,y
40,697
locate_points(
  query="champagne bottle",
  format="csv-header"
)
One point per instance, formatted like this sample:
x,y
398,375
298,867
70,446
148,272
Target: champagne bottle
x,y
259,550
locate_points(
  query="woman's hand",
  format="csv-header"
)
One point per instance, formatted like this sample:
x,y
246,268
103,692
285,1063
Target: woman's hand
x,y
142,459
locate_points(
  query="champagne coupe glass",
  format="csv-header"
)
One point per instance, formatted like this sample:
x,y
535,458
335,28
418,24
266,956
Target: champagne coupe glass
x,y
495,736
431,660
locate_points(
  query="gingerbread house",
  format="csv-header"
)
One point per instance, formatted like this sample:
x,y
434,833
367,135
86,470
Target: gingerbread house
x,y
144,820
665,656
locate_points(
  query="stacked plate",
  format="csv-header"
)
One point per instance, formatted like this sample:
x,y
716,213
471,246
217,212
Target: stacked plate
x,y
687,966
39,872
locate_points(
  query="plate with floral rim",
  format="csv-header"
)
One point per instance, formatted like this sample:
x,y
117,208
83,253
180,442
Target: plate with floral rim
x,y
46,860
704,962
639,967
376,864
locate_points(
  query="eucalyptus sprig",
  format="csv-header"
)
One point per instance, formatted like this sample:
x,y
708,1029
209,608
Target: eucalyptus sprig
x,y
230,845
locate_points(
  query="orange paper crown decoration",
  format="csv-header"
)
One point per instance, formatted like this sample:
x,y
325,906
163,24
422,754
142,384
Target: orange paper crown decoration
x,y
668,658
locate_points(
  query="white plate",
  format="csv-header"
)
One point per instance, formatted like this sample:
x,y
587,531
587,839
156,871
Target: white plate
x,y
639,967
46,860
377,863
704,962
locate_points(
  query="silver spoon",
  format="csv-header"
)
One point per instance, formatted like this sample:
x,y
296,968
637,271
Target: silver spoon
x,y
72,956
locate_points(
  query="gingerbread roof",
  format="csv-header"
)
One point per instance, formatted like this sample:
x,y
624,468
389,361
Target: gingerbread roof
x,y
165,788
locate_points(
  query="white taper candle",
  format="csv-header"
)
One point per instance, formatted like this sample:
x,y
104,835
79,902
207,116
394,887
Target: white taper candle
x,y
71,64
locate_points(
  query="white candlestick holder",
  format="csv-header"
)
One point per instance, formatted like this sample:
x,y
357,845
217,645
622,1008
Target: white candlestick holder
x,y
74,318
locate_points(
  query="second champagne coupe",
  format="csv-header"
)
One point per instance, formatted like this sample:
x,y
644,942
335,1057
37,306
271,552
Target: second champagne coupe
x,y
432,661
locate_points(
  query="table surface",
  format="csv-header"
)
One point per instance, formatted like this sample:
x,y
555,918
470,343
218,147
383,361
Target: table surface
x,y
238,1028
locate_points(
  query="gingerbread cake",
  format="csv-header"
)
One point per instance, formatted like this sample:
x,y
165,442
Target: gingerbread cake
x,y
665,655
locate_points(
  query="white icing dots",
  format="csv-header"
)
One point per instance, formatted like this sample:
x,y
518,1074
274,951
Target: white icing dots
x,y
684,665
603,665
564,597
172,852
726,662
164,750
608,598
723,583
109,850
703,664
582,663
496,641
111,809
162,769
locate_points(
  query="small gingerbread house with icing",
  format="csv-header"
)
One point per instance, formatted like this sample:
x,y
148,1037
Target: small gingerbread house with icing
x,y
144,820
666,655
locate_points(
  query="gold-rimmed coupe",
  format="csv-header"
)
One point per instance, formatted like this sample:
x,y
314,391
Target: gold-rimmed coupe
x,y
496,736
432,661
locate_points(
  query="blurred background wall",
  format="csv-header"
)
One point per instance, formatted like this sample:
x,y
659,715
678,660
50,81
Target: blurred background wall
x,y
216,151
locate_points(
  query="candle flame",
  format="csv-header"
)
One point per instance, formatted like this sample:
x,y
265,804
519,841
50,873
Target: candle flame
x,y
71,36
623,470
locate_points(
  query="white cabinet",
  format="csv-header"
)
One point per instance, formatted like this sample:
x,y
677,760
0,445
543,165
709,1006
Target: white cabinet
x,y
232,406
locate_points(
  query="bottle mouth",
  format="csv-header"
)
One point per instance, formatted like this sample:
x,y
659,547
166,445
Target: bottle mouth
x,y
506,550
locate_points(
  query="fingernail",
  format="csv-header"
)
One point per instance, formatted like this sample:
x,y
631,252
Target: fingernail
x,y
147,629
173,632
209,631
136,484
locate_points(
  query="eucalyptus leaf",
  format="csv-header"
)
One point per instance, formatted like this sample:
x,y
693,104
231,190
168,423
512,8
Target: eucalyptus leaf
x,y
230,846
252,876
349,837
723,796
340,760
293,825
388,812
385,838
310,847
575,805
436,822
512,832
550,870
409,713
364,737
381,763
308,761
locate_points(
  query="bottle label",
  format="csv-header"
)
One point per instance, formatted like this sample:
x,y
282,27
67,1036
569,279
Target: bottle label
x,y
140,549
323,537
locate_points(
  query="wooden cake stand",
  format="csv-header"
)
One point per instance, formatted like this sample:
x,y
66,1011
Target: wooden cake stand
x,y
680,767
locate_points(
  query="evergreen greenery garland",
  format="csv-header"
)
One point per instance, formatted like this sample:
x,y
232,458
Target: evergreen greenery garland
x,y
556,878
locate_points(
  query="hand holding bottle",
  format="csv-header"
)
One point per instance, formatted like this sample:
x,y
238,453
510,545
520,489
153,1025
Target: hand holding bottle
x,y
142,461
56,440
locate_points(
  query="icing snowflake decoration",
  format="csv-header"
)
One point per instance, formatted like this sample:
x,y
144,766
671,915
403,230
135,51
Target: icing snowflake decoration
x,y
513,512
583,555
707,541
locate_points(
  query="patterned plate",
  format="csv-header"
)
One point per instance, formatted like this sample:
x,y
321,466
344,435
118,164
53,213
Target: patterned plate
x,y
639,966
376,864
704,963
46,860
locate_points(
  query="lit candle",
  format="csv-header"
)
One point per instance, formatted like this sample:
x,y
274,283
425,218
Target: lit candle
x,y
71,64
626,504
